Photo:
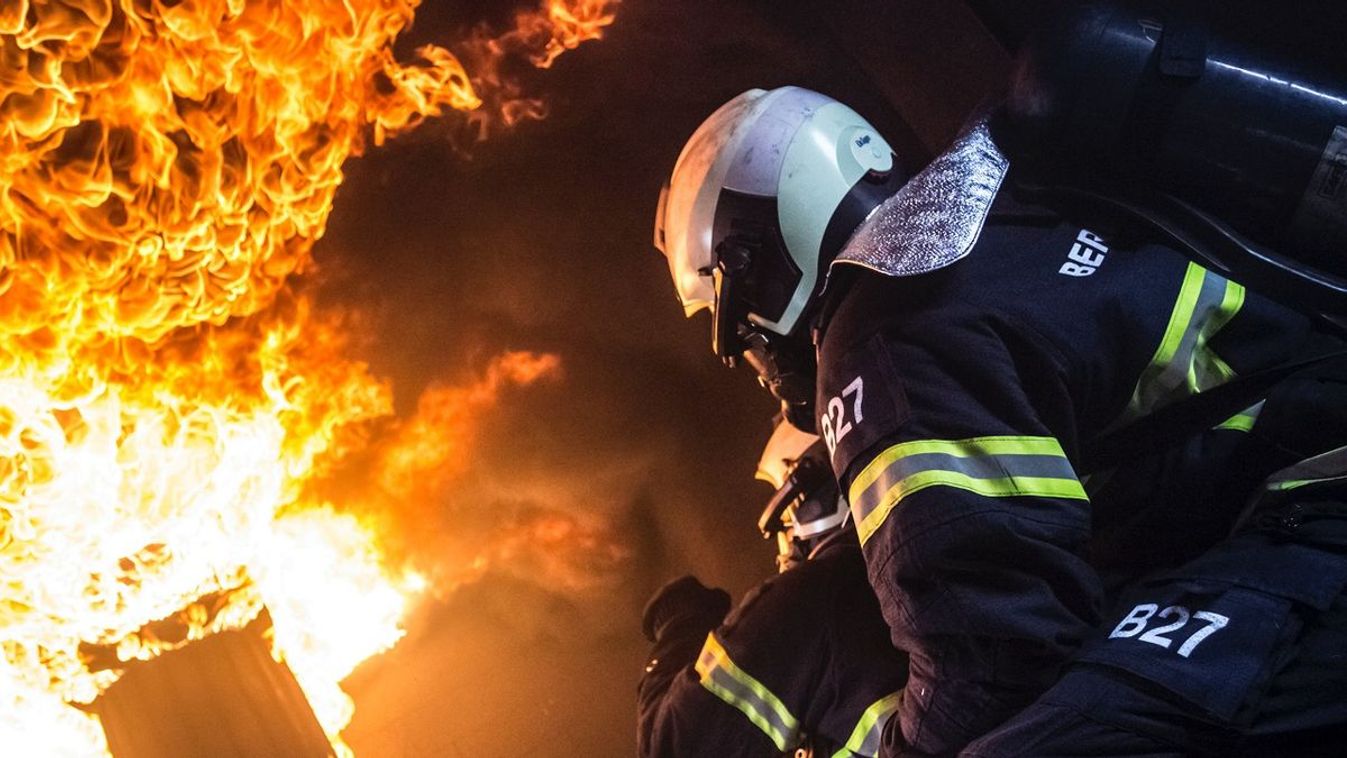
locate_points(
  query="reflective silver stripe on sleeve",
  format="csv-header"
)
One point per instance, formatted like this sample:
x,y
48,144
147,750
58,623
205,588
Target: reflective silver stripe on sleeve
x,y
985,468
1183,364
1005,466
865,737
1244,420
723,678
1325,467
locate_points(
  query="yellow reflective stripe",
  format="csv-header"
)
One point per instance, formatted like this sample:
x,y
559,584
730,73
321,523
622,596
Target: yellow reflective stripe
x,y
1244,420
1209,370
1319,469
1183,364
864,740
1292,484
974,446
990,466
1295,484
1286,485
1179,320
1238,423
723,678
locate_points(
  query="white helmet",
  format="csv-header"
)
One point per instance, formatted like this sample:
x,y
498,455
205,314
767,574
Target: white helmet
x,y
763,196
806,509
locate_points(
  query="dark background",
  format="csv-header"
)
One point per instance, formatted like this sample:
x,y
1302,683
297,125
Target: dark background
x,y
539,239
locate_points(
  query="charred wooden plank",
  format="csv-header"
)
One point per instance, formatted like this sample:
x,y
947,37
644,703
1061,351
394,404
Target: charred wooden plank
x,y
221,697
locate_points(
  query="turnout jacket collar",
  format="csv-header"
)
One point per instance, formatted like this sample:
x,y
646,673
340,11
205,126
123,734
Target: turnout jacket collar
x,y
937,217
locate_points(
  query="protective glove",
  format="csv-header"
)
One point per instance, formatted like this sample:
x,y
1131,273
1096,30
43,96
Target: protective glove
x,y
684,603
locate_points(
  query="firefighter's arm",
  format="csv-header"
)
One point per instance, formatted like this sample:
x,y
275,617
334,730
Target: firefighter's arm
x,y
745,688
987,601
676,620
972,521
675,715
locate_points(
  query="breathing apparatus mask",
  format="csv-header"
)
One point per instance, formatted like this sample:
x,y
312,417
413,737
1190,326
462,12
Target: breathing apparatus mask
x,y
806,511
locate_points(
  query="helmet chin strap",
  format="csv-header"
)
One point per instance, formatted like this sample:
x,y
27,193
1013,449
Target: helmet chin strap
x,y
786,368
728,312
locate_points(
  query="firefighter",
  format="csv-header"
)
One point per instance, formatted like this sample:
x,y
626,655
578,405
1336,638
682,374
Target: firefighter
x,y
971,347
803,665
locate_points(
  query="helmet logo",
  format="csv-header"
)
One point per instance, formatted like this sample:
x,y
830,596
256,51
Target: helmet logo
x,y
868,152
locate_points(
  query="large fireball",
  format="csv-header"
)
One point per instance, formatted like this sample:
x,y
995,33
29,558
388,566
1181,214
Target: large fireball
x,y
166,396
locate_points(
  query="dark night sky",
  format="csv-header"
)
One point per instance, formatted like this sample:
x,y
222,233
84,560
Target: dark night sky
x,y
541,241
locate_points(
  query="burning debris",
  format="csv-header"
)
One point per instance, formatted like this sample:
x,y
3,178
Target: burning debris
x,y
168,394
205,701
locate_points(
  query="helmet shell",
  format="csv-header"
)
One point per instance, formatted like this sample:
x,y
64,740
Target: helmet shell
x,y
806,509
783,162
786,446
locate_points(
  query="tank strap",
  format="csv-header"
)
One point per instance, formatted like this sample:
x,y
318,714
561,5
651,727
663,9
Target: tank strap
x,y
1213,245
1194,414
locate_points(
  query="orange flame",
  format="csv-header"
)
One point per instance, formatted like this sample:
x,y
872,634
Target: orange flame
x,y
423,512
426,452
165,398
574,553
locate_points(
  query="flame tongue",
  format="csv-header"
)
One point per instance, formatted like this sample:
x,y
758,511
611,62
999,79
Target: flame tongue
x,y
183,159
166,168
137,501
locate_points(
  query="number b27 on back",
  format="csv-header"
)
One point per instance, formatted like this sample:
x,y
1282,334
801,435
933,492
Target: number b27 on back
x,y
1140,617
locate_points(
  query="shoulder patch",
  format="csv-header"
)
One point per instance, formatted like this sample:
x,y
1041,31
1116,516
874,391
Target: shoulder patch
x,y
860,402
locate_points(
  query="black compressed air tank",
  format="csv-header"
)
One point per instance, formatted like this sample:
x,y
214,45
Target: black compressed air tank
x,y
1239,108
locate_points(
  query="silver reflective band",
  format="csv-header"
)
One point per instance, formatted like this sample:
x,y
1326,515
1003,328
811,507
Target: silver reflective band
x,y
1003,466
1325,467
865,737
736,687
1183,364
1244,420
982,467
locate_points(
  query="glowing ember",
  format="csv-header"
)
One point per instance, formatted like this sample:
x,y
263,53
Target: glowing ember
x,y
165,398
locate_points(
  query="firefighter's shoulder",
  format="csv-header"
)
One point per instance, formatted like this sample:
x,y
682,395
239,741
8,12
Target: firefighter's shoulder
x,y
807,588
861,396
